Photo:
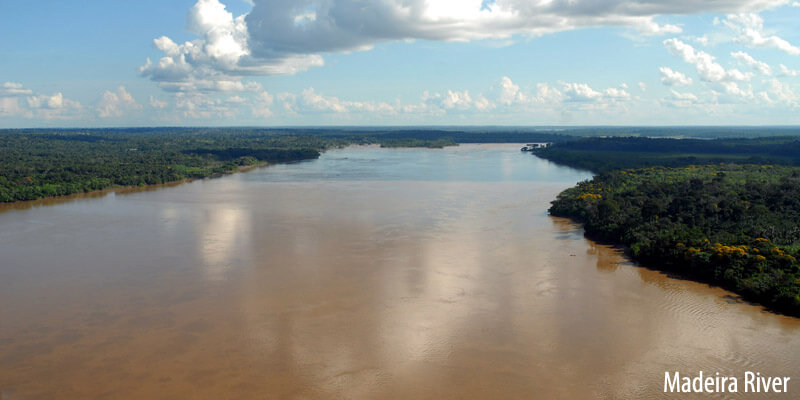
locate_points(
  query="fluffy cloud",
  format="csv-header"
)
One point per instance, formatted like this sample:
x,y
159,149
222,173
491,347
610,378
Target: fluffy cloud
x,y
786,71
219,58
783,93
9,104
680,99
581,92
9,107
318,102
261,107
506,97
457,101
509,92
285,37
13,89
735,92
460,100
279,28
748,60
730,86
53,106
670,77
203,106
749,30
17,101
309,101
705,64
683,96
115,104
155,103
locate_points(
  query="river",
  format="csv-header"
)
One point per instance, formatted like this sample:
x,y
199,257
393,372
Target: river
x,y
366,274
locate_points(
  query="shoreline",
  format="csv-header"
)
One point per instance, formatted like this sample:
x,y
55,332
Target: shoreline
x,y
48,201
682,274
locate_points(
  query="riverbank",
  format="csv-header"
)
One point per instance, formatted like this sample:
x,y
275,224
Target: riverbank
x,y
729,225
47,164
48,201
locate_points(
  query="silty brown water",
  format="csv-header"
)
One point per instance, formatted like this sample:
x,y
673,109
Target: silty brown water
x,y
369,273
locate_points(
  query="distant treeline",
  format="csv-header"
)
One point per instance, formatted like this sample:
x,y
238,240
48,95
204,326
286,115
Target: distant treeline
x,y
613,153
55,163
272,155
467,137
37,163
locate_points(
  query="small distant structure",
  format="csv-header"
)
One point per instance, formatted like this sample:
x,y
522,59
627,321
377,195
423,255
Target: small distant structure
x,y
535,146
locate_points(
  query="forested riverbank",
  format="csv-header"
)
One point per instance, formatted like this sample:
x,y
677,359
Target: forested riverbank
x,y
54,164
615,153
39,163
735,225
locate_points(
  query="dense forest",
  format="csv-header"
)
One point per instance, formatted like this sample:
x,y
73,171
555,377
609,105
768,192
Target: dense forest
x,y
45,164
613,153
36,163
732,224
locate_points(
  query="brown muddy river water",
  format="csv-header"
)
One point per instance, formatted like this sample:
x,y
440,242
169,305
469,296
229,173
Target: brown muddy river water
x,y
367,274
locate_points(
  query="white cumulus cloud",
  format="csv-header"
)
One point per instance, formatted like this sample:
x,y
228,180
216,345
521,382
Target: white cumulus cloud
x,y
17,101
155,103
749,30
783,93
13,89
748,60
705,64
786,71
683,96
279,28
218,59
680,99
460,100
671,77
9,107
310,101
199,105
581,92
54,106
116,104
286,37
261,107
509,92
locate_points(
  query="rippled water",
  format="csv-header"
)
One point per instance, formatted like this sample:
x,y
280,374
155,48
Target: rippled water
x,y
369,273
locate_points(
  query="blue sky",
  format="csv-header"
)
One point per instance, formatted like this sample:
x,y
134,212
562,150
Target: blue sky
x,y
399,62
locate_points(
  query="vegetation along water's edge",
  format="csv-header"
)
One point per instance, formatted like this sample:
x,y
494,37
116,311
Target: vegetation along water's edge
x,y
42,163
53,164
733,225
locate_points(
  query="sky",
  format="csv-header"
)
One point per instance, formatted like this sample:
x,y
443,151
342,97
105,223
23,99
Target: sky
x,y
398,62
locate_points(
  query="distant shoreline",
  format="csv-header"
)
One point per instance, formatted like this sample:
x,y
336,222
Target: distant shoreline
x,y
52,200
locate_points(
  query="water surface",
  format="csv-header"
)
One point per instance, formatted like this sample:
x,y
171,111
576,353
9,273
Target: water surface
x,y
369,273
